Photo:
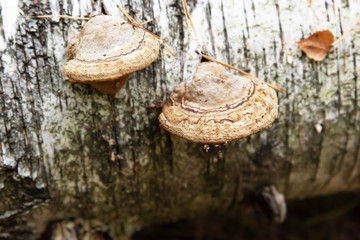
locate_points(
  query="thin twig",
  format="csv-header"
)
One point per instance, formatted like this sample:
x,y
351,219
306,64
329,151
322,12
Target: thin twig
x,y
131,19
350,32
224,64
143,23
191,22
277,88
163,52
164,43
188,17
134,23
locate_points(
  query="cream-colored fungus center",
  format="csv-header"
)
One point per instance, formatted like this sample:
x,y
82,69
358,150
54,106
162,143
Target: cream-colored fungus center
x,y
214,87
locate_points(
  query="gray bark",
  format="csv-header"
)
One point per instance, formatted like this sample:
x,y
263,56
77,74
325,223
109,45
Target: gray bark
x,y
69,151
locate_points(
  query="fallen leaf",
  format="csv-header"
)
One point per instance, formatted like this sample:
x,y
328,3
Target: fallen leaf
x,y
317,45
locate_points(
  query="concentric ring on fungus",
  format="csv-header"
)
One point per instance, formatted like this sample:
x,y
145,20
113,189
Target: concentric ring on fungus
x,y
106,51
218,107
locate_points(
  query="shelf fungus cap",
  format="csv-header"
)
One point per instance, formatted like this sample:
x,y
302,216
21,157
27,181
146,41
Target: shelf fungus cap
x,y
218,107
107,50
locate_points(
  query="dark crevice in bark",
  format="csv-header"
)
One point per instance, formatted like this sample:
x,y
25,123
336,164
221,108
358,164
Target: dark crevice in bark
x,y
318,82
265,68
59,97
23,127
318,139
181,32
151,70
340,22
169,152
253,8
51,80
280,29
292,107
35,99
245,51
337,164
1,151
234,199
135,141
160,5
256,66
227,44
211,34
327,11
207,168
115,134
130,9
276,76
144,4
246,20
316,156
356,166
84,177
37,122
17,98
338,83
66,99
288,120
36,57
103,9
356,82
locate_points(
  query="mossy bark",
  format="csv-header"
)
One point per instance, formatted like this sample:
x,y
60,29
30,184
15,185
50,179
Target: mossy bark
x,y
68,151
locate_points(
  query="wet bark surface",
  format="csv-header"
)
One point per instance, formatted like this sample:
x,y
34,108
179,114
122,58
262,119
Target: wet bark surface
x,y
68,151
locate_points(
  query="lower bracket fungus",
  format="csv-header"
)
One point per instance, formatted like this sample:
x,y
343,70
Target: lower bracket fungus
x,y
217,107
107,51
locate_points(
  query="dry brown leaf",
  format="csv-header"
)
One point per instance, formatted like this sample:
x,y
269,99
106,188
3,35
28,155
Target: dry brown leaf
x,y
317,45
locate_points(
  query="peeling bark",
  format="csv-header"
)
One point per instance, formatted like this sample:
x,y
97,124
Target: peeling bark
x,y
69,151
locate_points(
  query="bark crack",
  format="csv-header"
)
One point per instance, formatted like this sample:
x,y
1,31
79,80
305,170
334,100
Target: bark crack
x,y
246,20
280,29
208,18
227,44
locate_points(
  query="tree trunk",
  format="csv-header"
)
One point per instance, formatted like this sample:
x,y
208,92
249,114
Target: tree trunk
x,y
69,151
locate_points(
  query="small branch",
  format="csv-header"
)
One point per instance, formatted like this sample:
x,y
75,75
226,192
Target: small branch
x,y
131,19
136,24
188,17
224,64
143,23
277,88
350,32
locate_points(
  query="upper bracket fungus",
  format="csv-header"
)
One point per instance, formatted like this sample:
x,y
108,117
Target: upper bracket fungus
x,y
107,51
217,107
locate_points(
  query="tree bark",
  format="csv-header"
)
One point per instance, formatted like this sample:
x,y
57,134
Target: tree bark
x,y
69,151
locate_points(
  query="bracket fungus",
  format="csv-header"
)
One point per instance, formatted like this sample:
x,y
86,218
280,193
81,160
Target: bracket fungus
x,y
217,107
107,51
